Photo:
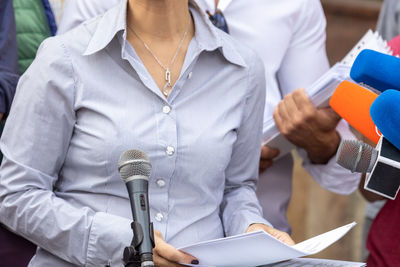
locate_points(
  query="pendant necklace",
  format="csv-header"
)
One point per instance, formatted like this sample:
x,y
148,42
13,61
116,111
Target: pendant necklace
x,y
168,86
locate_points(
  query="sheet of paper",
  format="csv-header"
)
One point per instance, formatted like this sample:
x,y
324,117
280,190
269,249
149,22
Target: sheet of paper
x,y
258,248
306,262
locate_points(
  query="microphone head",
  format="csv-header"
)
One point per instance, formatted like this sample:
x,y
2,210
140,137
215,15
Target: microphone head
x,y
134,164
385,112
377,70
352,102
356,156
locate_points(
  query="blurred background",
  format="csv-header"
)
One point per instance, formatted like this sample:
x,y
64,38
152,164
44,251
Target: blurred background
x,y
314,210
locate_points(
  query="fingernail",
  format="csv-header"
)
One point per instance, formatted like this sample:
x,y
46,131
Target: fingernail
x,y
195,262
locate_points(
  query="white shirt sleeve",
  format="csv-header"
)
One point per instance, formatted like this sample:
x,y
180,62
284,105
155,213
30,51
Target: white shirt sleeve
x,y
78,11
305,59
304,62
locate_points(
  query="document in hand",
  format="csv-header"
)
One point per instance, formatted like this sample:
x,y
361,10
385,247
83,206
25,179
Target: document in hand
x,y
307,262
321,90
259,248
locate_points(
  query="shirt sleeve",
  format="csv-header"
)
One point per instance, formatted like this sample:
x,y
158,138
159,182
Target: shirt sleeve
x,y
35,143
304,62
305,59
78,11
240,206
9,74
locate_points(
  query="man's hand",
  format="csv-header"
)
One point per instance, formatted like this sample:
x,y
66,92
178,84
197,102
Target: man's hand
x,y
281,236
267,157
308,127
166,255
1,116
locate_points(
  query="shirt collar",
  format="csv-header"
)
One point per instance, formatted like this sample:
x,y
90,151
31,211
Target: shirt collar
x,y
208,37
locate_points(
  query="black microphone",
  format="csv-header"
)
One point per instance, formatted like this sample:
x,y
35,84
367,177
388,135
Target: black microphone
x,y
382,164
134,167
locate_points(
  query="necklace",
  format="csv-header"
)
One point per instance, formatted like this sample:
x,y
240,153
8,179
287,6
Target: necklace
x,y
168,86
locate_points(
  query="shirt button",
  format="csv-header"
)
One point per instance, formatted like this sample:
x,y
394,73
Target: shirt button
x,y
170,150
159,217
166,109
160,183
190,75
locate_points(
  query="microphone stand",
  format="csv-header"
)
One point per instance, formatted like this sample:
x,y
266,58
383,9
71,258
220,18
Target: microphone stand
x,y
131,256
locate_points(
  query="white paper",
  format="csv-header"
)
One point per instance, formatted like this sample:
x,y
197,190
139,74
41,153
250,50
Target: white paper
x,y
258,248
306,262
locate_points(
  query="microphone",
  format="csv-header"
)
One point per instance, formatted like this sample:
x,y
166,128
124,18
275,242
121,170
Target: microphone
x,y
383,164
356,156
377,70
385,113
134,168
352,102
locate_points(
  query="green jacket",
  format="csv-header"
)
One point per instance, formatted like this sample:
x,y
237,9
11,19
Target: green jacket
x,y
32,28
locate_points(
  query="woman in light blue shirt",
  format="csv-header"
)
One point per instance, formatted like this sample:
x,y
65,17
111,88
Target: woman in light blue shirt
x,y
149,75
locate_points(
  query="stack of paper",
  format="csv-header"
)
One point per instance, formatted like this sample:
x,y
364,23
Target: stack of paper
x,y
258,248
316,263
321,90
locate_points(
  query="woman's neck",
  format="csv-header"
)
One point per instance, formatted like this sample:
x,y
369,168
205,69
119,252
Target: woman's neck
x,y
158,19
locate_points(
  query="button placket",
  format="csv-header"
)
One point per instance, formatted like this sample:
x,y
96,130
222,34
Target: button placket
x,y
159,217
160,183
170,150
166,109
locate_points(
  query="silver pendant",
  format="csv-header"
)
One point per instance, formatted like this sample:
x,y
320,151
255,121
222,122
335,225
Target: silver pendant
x,y
168,77
166,89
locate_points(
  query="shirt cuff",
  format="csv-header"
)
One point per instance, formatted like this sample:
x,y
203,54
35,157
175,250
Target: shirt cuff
x,y
247,218
109,235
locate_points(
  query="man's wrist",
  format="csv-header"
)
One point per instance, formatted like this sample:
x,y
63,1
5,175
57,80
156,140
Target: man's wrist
x,y
325,149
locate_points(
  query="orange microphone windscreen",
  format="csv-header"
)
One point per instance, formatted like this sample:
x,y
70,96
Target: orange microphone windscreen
x,y
352,102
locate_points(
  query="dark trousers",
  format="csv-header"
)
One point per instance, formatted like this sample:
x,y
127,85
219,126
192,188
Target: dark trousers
x,y
15,251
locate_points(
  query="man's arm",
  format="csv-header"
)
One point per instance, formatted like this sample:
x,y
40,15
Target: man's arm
x,y
317,131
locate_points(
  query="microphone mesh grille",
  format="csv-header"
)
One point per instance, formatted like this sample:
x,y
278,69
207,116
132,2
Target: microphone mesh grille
x,y
349,156
134,163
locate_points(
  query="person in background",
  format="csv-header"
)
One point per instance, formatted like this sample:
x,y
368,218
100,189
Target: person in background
x,y
24,25
9,73
388,24
14,250
289,36
388,27
148,75
383,241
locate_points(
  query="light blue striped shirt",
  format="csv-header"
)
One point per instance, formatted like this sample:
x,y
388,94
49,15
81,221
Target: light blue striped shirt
x,y
86,99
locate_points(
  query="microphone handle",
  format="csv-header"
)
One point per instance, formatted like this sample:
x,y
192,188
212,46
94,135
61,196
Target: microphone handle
x,y
143,237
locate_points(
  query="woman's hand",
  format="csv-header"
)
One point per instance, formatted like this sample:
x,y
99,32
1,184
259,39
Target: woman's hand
x,y
281,236
166,255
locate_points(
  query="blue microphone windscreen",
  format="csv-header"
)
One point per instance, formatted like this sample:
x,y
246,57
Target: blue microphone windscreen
x,y
385,112
377,70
